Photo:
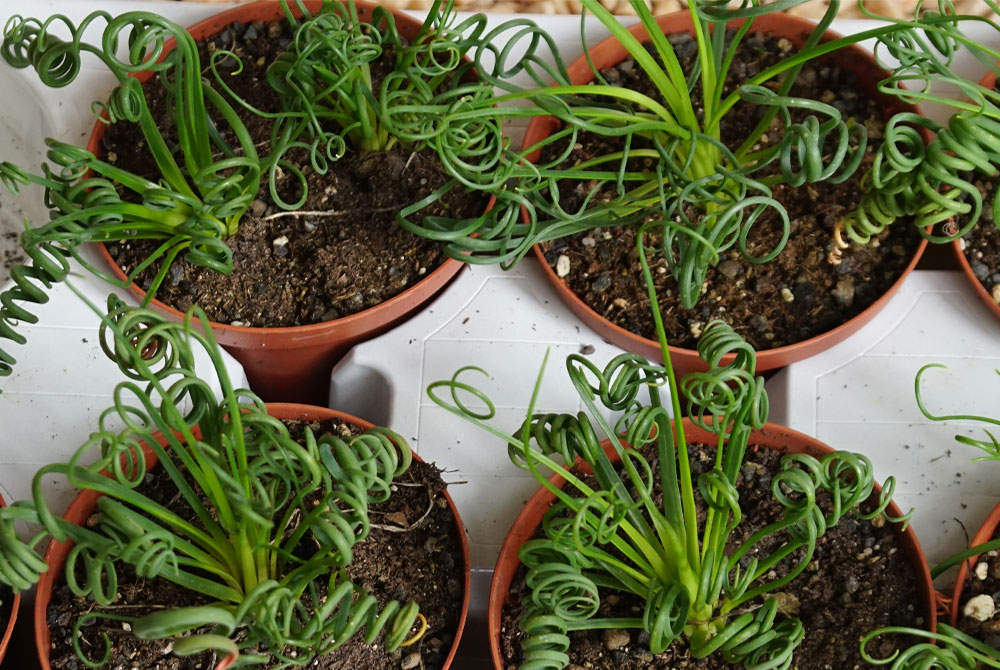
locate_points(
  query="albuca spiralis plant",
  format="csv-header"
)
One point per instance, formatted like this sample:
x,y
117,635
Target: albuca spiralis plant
x,y
615,534
209,177
671,165
275,519
198,196
935,184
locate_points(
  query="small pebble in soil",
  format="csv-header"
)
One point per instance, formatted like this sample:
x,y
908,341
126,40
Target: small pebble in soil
x,y
980,608
410,661
729,268
787,295
588,242
982,570
995,293
562,265
695,328
280,245
788,603
758,322
258,207
616,638
980,269
844,291
602,283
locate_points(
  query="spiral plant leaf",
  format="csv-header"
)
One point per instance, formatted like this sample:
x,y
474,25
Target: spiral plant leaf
x,y
613,533
274,519
934,184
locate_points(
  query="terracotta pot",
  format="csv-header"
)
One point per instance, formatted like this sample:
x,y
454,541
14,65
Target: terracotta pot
x,y
83,506
12,619
772,436
989,81
294,363
610,52
983,535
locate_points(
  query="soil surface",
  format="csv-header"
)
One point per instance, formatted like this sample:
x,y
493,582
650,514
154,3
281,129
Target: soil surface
x,y
983,580
339,254
982,243
857,581
423,563
809,289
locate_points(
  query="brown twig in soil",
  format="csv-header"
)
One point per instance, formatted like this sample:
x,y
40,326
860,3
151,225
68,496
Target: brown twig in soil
x,y
412,526
326,214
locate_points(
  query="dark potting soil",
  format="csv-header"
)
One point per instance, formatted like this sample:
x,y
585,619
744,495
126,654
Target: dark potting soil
x,y
339,254
419,560
858,580
983,580
982,243
807,290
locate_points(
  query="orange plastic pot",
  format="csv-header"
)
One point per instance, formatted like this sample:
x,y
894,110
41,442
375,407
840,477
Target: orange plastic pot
x,y
294,363
12,619
983,535
610,52
785,440
989,81
83,507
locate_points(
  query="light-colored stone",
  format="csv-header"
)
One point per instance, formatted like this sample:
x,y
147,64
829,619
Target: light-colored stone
x,y
562,265
980,608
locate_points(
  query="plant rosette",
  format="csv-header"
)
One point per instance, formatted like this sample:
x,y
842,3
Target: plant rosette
x,y
11,619
771,436
294,363
85,504
609,53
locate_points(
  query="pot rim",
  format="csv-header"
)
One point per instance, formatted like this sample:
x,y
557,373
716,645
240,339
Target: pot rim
x,y
770,436
383,311
768,359
84,503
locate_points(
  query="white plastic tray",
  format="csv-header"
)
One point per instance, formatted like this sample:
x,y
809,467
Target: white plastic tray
x,y
500,321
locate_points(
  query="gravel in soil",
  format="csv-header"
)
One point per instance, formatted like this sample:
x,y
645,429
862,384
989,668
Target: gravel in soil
x,y
809,289
340,254
858,580
423,564
980,618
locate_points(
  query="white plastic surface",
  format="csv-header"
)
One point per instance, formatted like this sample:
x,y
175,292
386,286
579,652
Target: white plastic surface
x,y
859,395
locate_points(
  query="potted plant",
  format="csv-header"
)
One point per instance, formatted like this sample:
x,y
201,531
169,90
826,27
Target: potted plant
x,y
192,158
666,156
643,530
243,521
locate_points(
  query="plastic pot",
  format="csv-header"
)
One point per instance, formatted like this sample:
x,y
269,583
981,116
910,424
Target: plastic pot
x,y
293,364
83,506
989,81
610,52
983,535
771,436
9,624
